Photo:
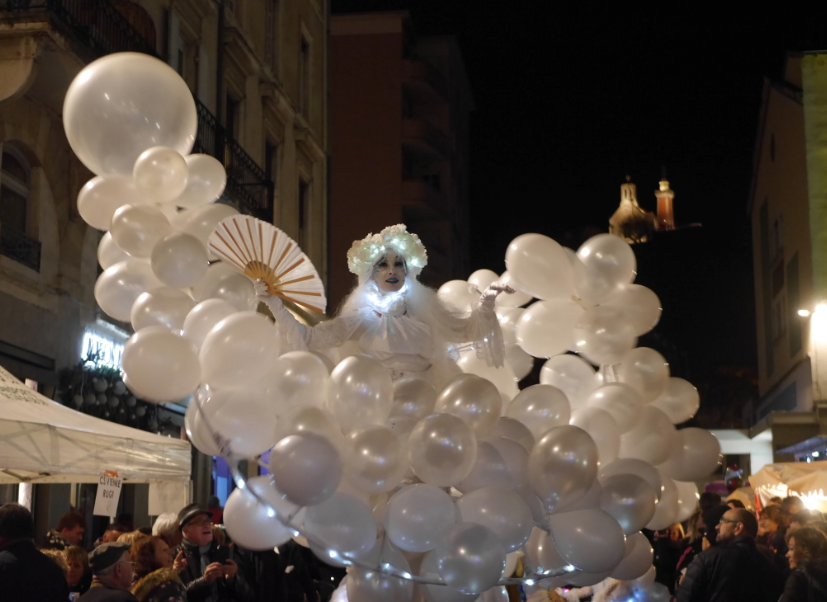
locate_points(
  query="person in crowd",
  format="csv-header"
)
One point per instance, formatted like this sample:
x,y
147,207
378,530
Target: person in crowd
x,y
692,545
131,537
708,499
56,556
772,526
126,521
157,575
300,569
111,574
210,573
219,535
734,569
144,530
807,555
667,548
733,503
266,573
166,527
216,511
774,501
803,517
25,573
68,532
80,575
112,532
792,505
821,525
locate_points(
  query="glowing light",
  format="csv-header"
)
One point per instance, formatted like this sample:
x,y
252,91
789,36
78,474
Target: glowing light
x,y
803,312
108,352
816,454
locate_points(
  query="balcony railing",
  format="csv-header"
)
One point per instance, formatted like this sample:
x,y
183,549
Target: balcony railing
x,y
95,24
19,247
99,29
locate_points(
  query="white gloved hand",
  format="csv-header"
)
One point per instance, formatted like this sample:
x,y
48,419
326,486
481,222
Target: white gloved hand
x,y
489,295
263,295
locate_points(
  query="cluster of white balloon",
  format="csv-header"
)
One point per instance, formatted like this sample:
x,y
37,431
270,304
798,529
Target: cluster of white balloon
x,y
401,481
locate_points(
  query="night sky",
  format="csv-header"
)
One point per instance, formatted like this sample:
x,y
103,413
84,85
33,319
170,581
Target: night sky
x,y
570,98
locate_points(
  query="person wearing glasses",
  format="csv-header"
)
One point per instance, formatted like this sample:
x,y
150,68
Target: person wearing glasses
x,y
210,573
112,574
734,569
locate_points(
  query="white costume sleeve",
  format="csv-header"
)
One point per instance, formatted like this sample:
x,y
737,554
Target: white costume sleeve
x,y
298,337
480,328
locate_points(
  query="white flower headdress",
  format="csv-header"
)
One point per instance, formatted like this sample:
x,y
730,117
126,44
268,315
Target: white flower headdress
x,y
364,253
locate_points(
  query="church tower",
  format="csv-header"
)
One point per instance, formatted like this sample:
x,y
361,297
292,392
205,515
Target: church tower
x,y
630,221
666,212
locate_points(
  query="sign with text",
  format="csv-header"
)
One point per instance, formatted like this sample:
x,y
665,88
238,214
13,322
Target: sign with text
x,y
109,492
167,496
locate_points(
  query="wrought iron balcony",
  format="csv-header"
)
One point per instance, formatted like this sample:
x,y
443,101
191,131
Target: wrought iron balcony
x,y
97,28
19,247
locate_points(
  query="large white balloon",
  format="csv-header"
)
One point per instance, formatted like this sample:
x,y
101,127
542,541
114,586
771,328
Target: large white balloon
x,y
160,174
417,517
442,449
160,365
502,511
376,586
124,103
161,307
636,560
666,512
653,438
413,397
295,379
619,400
249,521
473,399
377,460
574,376
640,306
481,279
503,378
698,453
108,252
515,299
602,336
609,263
489,470
240,348
591,540
100,197
197,431
540,408
687,500
243,418
342,523
306,468
540,267
602,427
646,371
679,401
201,221
563,465
459,294
546,328
470,558
206,181
137,228
630,500
121,284
636,467
201,319
179,260
361,393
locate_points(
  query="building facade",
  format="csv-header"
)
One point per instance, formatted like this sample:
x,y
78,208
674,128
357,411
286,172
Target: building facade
x,y
398,142
634,224
787,208
257,71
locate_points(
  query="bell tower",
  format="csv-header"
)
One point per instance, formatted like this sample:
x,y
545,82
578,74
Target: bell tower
x,y
666,212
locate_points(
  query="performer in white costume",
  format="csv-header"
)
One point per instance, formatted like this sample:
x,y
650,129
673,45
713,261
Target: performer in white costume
x,y
395,319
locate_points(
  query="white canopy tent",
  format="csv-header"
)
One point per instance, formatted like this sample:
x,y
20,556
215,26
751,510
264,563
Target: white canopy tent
x,y
42,441
807,480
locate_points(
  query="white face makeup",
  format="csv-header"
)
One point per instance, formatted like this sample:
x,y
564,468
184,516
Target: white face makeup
x,y
389,273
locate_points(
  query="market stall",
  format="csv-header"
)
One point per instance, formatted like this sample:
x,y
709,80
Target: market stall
x,y
807,480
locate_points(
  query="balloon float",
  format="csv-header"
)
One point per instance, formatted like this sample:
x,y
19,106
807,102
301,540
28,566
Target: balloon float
x,y
468,469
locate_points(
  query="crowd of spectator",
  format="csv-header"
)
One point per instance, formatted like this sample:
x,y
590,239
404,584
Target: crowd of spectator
x,y
185,557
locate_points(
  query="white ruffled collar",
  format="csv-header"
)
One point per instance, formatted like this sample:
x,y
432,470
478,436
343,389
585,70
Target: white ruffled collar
x,y
386,303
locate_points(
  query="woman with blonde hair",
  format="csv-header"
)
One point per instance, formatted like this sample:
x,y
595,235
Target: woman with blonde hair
x,y
79,576
807,553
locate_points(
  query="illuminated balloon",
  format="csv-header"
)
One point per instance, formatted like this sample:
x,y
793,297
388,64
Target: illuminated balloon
x,y
640,306
306,468
470,558
238,349
515,430
502,511
481,279
508,317
243,418
442,450
137,228
179,260
248,520
375,586
205,183
653,438
163,306
473,399
489,470
697,455
417,517
666,512
687,500
546,328
602,336
100,197
636,560
572,375
602,428
630,500
516,299
540,267
563,465
160,174
309,419
619,400
377,460
591,540
540,408
294,379
108,252
439,593
637,467
361,393
608,262
679,401
122,104
413,397
459,294
646,371
201,221
342,523
201,319
121,284
160,365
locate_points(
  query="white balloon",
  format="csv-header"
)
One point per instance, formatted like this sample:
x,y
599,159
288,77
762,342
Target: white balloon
x,y
653,438
574,376
413,397
591,540
508,318
136,229
666,512
520,362
201,221
513,429
636,560
160,174
100,197
249,521
238,349
687,500
360,393
636,467
307,468
619,400
540,408
646,371
124,103
197,431
609,263
206,181
602,427
179,260
159,365
546,328
298,378
540,267
481,279
243,418
417,516
459,294
696,457
342,523
108,252
640,306
121,284
201,319
503,377
679,401
602,336
163,306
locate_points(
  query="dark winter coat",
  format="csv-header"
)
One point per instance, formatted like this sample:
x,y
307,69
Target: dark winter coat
x,y
807,583
733,572
198,590
26,574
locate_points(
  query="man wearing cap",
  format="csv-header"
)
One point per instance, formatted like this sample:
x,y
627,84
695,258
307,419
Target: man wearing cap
x,y
210,575
112,574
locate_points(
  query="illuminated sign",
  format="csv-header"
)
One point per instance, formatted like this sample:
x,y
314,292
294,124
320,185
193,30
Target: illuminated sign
x,y
107,351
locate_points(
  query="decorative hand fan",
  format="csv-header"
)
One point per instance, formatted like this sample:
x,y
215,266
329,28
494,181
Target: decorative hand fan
x,y
260,250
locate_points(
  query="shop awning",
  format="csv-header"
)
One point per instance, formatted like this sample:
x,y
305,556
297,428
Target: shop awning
x,y
42,441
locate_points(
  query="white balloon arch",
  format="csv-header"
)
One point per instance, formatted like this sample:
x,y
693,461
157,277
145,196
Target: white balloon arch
x,y
370,472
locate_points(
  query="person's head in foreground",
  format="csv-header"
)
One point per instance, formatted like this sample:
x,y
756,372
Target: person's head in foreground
x,y
805,544
736,523
111,565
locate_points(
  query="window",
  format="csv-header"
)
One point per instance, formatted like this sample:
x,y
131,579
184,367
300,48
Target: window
x,y
271,34
232,117
304,77
304,214
14,191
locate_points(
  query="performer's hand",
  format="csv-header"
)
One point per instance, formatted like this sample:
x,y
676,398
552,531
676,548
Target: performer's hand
x,y
494,289
262,291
